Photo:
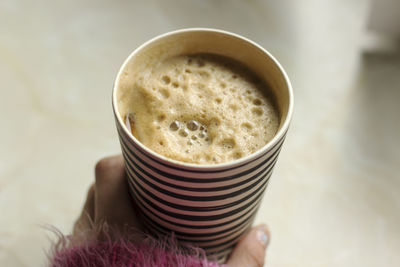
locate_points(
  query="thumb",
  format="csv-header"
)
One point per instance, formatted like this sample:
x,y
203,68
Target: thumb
x,y
250,251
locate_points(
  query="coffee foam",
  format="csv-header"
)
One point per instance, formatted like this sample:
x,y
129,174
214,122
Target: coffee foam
x,y
200,108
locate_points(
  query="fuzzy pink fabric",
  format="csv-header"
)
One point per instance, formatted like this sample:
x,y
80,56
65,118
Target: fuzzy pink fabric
x,y
123,253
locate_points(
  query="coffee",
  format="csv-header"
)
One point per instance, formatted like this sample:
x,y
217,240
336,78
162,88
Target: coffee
x,y
200,108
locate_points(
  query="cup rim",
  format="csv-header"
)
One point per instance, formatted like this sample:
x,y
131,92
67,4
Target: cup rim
x,y
280,134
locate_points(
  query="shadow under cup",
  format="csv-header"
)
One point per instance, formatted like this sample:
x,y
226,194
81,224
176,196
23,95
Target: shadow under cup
x,y
210,206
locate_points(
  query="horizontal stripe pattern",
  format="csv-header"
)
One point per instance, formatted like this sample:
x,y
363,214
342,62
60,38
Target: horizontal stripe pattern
x,y
210,208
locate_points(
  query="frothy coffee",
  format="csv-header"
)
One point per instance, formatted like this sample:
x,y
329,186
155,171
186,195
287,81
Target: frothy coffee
x,y
202,108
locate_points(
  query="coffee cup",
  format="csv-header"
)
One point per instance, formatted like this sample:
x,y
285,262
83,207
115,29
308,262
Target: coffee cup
x,y
206,205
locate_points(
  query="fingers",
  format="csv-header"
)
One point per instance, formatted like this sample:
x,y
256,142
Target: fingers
x,y
112,201
251,249
85,220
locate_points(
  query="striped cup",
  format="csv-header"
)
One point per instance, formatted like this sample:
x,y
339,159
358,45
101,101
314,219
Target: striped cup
x,y
210,206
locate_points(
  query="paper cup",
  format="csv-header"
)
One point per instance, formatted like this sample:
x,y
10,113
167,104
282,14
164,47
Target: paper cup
x,y
210,206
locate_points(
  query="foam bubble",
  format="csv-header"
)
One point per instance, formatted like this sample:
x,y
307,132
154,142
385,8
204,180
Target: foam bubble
x,y
165,92
227,144
174,126
246,126
192,125
183,132
257,102
166,79
257,111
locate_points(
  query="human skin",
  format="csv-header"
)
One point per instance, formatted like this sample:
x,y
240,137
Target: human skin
x,y
110,190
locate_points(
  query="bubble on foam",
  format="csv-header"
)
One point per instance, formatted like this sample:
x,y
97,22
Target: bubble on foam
x,y
194,137
183,132
257,102
218,100
227,144
175,84
246,126
257,111
174,126
192,125
166,79
164,92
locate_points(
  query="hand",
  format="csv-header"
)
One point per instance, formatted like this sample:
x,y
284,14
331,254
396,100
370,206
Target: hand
x,y
111,190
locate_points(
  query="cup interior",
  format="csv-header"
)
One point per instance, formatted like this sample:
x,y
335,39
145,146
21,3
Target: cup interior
x,y
193,41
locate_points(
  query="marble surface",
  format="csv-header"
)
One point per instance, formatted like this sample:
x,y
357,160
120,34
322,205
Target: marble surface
x,y
334,197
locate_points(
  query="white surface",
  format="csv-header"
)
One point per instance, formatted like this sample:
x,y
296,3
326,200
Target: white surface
x,y
334,197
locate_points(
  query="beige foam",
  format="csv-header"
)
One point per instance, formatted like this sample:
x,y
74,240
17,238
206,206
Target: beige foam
x,y
199,109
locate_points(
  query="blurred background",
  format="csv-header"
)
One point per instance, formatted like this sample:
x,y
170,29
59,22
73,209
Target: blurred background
x,y
334,196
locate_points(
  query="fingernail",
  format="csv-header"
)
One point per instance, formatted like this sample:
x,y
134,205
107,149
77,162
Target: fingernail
x,y
262,236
